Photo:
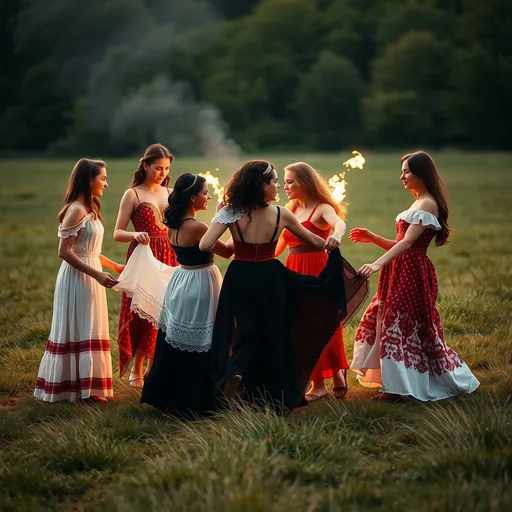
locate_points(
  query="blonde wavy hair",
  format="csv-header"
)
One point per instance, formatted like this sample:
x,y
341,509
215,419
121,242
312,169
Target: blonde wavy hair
x,y
315,187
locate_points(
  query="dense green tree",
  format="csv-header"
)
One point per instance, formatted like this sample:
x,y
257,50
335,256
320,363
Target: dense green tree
x,y
329,99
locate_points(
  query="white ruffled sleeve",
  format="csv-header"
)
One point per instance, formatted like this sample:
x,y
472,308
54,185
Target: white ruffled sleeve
x,y
227,215
73,230
422,217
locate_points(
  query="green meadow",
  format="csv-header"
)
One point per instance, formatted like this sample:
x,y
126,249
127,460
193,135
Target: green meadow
x,y
333,455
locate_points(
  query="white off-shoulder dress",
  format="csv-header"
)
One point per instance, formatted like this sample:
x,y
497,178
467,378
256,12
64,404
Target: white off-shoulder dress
x,y
77,363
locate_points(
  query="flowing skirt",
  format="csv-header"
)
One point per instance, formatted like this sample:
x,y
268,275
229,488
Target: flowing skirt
x,y
333,357
399,345
272,325
77,363
179,380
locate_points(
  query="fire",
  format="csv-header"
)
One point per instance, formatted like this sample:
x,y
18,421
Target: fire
x,y
212,180
337,183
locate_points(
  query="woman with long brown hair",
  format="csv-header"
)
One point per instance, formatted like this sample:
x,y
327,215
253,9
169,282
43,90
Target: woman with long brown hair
x,y
76,364
313,206
399,345
143,203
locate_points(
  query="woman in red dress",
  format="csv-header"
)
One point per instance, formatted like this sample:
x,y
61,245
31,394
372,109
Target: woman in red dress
x,y
143,204
313,206
399,345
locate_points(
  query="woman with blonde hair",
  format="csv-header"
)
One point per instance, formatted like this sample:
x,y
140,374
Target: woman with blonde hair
x,y
143,204
312,204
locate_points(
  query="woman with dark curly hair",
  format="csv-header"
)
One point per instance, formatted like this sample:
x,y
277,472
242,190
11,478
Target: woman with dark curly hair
x,y
272,324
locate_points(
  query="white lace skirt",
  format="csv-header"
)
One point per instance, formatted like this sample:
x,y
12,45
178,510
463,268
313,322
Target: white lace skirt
x,y
189,308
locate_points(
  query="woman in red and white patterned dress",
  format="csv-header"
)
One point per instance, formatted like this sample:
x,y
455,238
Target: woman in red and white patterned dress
x,y
143,204
399,345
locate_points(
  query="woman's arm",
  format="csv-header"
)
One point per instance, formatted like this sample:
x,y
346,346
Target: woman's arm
x,y
123,218
112,265
73,216
225,250
212,235
282,244
365,236
330,216
411,235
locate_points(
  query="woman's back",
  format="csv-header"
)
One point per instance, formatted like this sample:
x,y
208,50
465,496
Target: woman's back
x,y
259,227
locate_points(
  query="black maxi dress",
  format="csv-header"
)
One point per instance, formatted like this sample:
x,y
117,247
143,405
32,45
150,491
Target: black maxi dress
x,y
272,323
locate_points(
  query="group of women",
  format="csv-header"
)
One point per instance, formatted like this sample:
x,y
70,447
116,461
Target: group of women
x,y
266,330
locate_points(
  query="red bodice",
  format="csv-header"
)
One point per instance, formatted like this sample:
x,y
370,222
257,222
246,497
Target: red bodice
x,y
293,241
254,252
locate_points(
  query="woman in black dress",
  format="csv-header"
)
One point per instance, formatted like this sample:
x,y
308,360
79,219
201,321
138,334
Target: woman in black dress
x,y
272,324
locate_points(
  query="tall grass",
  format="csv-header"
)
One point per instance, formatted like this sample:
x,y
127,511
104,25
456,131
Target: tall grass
x,y
331,456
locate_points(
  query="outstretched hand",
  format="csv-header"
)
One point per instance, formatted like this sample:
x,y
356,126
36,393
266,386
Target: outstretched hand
x,y
361,235
368,269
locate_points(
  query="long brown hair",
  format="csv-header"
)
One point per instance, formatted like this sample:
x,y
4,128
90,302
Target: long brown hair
x,y
422,165
79,186
315,187
152,153
245,191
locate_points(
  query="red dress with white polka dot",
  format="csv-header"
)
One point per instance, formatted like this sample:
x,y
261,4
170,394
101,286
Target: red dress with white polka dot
x,y
402,317
137,334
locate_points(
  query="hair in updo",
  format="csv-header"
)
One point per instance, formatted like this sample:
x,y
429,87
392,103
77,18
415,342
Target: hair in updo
x,y
187,186
245,191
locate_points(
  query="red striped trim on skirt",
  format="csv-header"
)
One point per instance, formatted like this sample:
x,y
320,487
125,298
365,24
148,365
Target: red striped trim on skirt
x,y
56,388
75,347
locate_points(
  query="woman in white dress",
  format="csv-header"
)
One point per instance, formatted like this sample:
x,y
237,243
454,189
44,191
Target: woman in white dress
x,y
76,364
179,381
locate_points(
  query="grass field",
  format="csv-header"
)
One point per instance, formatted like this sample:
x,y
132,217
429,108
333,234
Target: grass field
x,y
353,455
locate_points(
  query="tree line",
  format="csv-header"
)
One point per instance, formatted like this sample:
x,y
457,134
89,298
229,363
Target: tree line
x,y
111,76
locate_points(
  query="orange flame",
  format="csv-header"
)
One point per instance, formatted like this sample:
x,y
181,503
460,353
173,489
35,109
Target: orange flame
x,y
212,180
337,183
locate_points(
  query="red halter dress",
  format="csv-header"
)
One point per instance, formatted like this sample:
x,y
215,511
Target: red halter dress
x,y
306,259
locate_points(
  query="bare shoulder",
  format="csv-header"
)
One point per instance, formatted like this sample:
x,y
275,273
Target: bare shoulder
x,y
199,228
429,205
324,208
74,214
129,195
168,190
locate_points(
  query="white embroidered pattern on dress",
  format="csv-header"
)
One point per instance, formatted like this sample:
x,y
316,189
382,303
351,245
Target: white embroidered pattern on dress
x,y
192,337
227,215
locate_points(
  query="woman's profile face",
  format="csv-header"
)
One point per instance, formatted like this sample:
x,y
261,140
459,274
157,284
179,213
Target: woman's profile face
x,y
270,189
409,180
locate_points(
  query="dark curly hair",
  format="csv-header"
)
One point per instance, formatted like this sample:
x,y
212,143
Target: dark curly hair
x,y
186,186
422,165
244,192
